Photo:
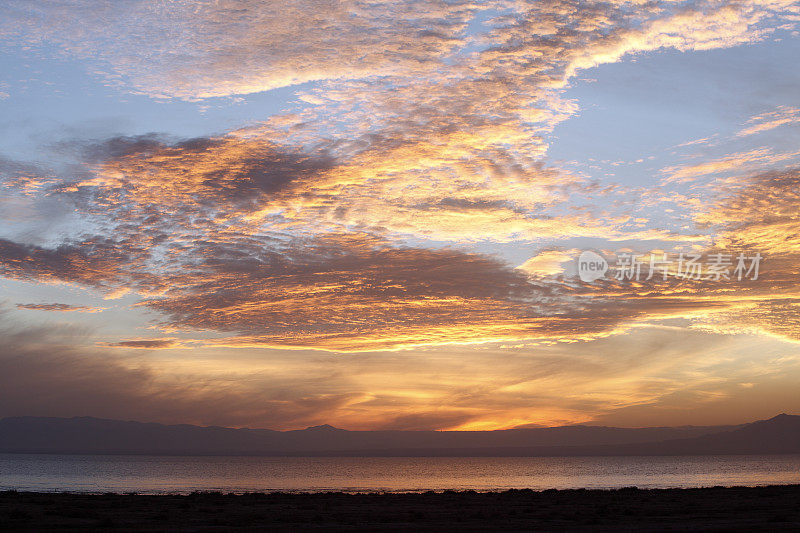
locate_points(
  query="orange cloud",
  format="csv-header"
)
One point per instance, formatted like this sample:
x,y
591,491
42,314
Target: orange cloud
x,y
732,164
768,121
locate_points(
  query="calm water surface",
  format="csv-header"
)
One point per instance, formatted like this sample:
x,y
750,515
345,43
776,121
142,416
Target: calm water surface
x,y
157,474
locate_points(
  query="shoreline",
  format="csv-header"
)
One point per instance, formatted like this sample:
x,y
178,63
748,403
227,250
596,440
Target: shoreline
x,y
774,507
370,491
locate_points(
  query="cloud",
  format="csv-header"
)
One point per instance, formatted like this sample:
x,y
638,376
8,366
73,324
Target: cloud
x,y
347,292
350,294
354,292
60,307
218,48
417,138
758,212
548,262
784,115
56,370
243,46
150,344
756,159
254,180
11,169
186,238
99,263
45,371
359,292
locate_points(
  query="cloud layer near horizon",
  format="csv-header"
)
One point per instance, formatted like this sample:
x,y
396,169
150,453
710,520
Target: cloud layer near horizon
x,y
653,374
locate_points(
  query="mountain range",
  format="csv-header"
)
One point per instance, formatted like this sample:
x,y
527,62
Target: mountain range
x,y
87,435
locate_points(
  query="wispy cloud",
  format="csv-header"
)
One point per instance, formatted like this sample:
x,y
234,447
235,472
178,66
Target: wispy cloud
x,y
149,344
730,165
769,121
60,307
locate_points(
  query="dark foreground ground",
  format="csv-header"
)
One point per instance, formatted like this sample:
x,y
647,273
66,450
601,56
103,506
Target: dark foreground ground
x,y
714,509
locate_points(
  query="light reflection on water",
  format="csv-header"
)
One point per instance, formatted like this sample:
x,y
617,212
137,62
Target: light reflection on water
x,y
159,474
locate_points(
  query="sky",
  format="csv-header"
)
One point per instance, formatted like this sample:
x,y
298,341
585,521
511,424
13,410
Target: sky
x,y
372,214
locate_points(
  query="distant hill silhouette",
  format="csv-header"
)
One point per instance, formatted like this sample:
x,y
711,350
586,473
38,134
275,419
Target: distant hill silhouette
x,y
86,435
780,434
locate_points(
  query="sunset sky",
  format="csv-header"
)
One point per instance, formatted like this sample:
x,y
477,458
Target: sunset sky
x,y
368,213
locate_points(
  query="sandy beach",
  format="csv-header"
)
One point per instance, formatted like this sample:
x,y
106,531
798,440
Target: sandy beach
x,y
774,508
